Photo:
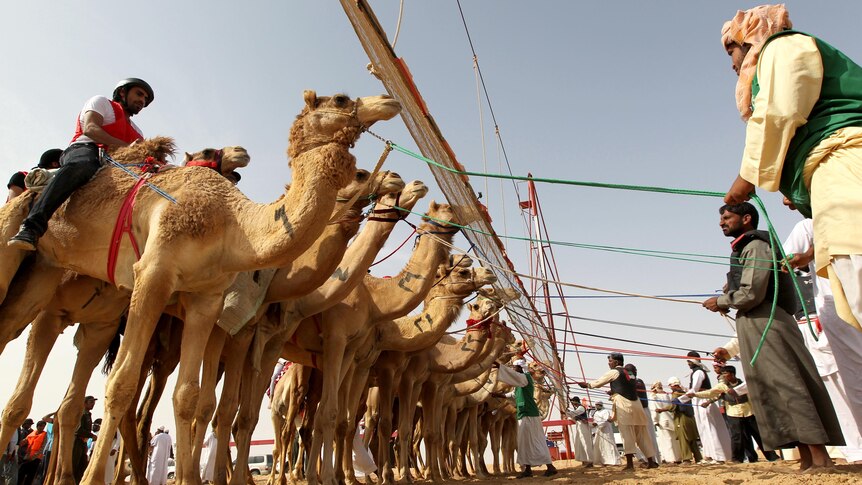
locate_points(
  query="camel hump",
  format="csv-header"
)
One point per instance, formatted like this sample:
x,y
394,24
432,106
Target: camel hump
x,y
158,147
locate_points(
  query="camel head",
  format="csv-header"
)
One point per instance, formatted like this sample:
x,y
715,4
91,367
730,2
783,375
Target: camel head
x,y
462,260
406,199
159,148
384,183
500,295
482,308
336,119
460,281
225,160
440,219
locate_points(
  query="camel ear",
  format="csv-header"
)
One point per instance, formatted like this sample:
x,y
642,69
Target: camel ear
x,y
310,98
188,158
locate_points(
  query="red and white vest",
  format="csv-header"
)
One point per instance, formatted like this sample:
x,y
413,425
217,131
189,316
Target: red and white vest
x,y
121,128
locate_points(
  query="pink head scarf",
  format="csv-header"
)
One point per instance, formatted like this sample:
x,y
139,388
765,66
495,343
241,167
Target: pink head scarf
x,y
752,27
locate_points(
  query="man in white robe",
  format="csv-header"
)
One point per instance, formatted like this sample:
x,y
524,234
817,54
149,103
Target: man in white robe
x,y
665,428
628,412
837,351
363,462
532,443
208,467
604,446
160,453
714,436
583,442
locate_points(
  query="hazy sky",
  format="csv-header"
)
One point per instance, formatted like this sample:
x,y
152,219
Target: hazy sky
x,y
620,92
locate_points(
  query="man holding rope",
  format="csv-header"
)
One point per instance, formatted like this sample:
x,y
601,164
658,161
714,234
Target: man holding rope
x,y
628,412
532,445
785,371
802,101
102,123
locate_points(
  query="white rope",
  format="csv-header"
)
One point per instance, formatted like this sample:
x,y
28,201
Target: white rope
x,y
545,280
398,25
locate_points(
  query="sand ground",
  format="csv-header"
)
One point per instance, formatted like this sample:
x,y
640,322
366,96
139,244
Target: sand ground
x,y
780,472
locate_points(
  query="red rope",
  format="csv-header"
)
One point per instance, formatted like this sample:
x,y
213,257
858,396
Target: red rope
x,y
396,249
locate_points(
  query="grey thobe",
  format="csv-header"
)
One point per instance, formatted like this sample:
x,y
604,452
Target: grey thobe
x,y
789,399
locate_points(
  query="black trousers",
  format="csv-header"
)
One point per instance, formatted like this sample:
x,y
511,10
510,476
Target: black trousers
x,y
78,164
27,471
742,431
79,459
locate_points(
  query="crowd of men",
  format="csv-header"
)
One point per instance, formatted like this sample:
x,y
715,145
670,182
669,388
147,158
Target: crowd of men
x,y
27,455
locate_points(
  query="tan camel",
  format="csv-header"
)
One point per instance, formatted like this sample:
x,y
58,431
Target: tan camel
x,y
448,356
351,323
406,334
216,232
305,274
341,329
96,304
271,333
302,276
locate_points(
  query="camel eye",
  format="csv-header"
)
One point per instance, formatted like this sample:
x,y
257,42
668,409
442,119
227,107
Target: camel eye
x,y
340,100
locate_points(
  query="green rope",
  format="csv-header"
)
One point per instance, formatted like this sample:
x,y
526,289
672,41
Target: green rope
x,y
614,249
773,236
773,245
639,188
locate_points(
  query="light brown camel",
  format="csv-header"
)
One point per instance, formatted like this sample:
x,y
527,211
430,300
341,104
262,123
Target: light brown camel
x,y
302,276
407,334
216,232
347,324
402,374
78,298
271,333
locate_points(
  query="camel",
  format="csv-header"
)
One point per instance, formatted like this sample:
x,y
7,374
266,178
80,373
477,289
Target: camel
x,y
442,305
271,334
95,303
406,334
302,273
195,247
353,316
410,371
301,277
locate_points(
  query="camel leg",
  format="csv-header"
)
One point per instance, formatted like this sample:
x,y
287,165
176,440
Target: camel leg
x,y
31,290
407,397
151,293
416,452
372,414
207,399
354,398
432,433
43,335
474,442
384,425
201,313
254,386
134,428
93,339
337,360
312,402
236,349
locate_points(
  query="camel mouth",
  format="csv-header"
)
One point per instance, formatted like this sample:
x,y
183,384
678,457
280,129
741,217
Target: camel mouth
x,y
377,108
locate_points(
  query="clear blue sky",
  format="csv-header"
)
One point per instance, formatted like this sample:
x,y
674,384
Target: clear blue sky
x,y
622,92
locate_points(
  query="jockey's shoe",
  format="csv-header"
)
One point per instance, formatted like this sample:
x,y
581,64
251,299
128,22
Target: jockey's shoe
x,y
25,239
